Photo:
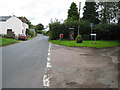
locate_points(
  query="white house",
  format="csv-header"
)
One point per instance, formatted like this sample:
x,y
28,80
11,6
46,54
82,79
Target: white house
x,y
12,23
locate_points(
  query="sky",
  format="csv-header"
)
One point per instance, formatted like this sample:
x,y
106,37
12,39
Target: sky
x,y
38,11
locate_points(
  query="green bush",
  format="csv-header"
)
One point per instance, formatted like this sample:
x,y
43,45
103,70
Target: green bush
x,y
56,28
103,31
44,32
79,39
86,36
47,33
107,31
31,33
39,31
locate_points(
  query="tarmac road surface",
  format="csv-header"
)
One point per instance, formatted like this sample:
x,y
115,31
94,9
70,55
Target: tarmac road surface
x,y
23,64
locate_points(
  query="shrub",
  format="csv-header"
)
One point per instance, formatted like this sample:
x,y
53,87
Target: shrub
x,y
86,36
56,28
107,31
47,33
44,32
39,31
31,33
79,39
103,31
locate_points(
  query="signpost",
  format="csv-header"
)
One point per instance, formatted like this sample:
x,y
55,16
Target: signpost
x,y
94,36
79,16
91,25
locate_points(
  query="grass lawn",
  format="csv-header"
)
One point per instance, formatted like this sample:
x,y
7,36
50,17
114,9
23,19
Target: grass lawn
x,y
99,44
7,41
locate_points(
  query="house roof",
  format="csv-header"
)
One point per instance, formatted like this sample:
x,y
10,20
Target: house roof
x,y
4,18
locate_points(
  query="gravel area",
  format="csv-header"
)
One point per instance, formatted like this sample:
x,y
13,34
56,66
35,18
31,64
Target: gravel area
x,y
83,67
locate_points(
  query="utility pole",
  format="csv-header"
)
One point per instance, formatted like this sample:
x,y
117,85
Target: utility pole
x,y
79,16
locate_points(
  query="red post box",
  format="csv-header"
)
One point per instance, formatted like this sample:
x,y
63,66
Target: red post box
x,y
61,35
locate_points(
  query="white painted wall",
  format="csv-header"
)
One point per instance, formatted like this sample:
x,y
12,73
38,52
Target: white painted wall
x,y
15,24
25,26
2,27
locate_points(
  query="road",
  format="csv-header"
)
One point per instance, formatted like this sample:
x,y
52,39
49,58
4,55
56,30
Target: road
x,y
23,64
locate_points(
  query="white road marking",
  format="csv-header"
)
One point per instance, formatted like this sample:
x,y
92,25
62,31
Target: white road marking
x,y
48,65
48,59
48,54
46,77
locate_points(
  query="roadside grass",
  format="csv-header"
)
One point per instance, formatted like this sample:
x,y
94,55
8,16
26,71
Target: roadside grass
x,y
99,44
31,37
7,41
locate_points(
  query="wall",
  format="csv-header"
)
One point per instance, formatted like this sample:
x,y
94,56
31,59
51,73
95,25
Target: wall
x,y
15,24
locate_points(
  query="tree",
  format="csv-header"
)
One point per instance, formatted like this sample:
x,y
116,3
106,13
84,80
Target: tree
x,y
119,4
108,11
39,27
90,12
119,12
73,12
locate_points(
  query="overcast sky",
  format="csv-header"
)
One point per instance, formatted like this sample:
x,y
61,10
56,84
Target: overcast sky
x,y
38,11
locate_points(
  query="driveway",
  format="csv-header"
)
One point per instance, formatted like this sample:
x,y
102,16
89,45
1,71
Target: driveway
x,y
23,63
83,67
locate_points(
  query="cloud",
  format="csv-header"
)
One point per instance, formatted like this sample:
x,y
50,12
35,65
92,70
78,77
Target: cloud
x,y
37,11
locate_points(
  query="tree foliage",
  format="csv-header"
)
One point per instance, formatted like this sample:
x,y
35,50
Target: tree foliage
x,y
119,10
90,12
119,4
104,30
108,11
29,32
39,27
73,12
57,28
107,31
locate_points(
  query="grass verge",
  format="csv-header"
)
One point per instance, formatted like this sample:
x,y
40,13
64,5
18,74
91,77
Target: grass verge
x,y
6,41
31,37
99,44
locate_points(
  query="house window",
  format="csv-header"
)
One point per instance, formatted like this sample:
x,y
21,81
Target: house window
x,y
9,30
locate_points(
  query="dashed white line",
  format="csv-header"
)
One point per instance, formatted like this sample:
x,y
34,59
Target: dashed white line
x,y
48,59
46,77
48,54
48,65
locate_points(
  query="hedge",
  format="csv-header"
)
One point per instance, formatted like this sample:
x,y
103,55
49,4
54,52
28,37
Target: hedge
x,y
103,31
107,31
